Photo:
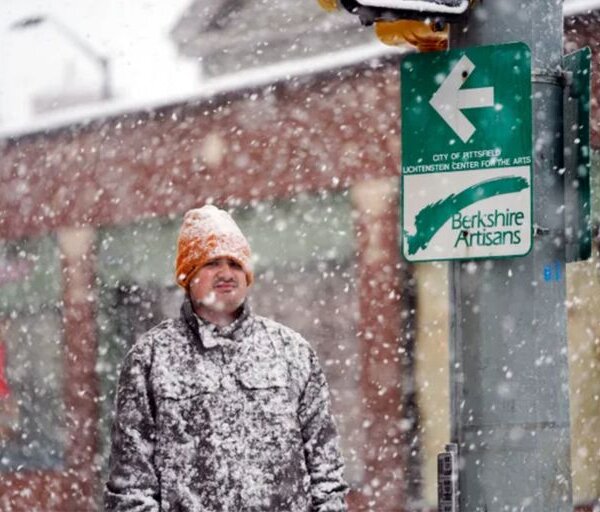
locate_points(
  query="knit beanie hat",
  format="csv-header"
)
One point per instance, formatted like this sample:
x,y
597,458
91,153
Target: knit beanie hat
x,y
208,233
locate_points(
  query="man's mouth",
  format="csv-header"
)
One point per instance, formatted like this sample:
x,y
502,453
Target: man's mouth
x,y
225,287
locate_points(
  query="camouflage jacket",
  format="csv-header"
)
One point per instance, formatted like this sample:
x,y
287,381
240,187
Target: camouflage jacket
x,y
223,420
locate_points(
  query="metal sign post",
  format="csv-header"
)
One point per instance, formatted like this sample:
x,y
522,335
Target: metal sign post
x,y
509,365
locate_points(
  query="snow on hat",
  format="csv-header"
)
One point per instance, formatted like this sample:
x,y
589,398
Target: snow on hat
x,y
208,233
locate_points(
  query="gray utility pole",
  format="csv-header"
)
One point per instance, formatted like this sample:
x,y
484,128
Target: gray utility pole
x,y
509,367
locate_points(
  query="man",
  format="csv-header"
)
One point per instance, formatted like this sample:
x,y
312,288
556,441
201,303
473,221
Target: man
x,y
222,410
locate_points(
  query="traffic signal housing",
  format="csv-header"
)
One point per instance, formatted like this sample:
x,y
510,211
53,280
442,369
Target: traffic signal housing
x,y
421,23
433,11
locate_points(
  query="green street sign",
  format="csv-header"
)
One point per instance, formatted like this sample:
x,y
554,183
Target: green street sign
x,y
466,153
576,113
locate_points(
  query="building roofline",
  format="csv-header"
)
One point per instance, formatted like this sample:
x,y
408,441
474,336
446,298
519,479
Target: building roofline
x,y
232,82
239,81
577,7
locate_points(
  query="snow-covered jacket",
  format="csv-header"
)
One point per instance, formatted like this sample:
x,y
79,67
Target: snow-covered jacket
x,y
227,419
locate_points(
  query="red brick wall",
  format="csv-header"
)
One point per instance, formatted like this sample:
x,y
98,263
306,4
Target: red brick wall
x,y
277,141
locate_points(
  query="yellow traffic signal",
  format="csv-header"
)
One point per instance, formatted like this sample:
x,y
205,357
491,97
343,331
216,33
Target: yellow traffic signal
x,y
328,5
424,36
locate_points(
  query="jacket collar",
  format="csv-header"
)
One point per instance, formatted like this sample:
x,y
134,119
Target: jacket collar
x,y
211,335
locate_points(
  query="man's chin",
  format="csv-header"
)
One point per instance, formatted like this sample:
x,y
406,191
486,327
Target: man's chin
x,y
225,306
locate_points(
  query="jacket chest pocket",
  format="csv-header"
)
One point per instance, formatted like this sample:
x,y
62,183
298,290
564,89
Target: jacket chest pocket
x,y
266,390
185,406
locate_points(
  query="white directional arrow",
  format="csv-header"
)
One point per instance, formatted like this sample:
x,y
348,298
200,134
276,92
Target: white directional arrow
x,y
449,99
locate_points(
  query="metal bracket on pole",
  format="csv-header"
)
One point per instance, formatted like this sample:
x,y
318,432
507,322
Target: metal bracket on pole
x,y
574,79
541,231
546,76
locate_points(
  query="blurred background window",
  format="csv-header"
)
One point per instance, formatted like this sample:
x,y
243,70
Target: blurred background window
x,y
32,432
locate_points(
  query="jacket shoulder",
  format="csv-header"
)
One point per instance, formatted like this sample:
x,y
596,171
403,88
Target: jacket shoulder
x,y
146,344
159,331
298,352
172,361
282,333
163,332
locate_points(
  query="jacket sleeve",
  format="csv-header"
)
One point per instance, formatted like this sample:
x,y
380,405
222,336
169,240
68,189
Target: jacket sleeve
x,y
132,484
323,458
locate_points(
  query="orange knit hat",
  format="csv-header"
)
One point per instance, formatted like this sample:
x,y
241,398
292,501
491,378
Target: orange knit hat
x,y
208,233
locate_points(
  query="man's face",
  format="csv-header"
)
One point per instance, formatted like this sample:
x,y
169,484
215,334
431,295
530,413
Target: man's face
x,y
220,285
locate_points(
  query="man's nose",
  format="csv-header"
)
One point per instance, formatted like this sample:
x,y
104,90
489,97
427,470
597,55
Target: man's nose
x,y
225,270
